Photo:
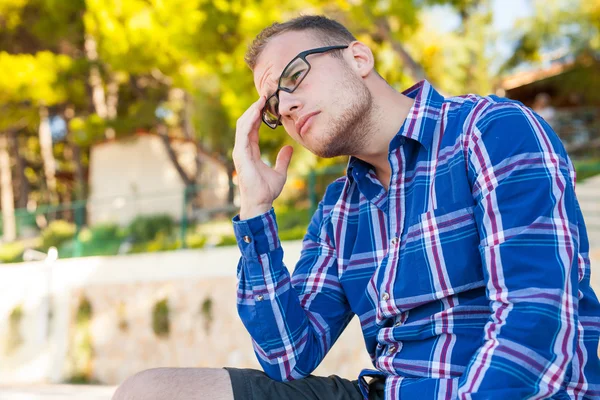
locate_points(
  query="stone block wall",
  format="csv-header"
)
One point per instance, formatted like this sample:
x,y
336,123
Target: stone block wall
x,y
118,340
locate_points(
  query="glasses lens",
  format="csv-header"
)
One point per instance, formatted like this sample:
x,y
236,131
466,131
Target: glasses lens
x,y
294,73
271,111
272,108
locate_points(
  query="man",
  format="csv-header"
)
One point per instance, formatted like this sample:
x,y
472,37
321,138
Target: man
x,y
455,237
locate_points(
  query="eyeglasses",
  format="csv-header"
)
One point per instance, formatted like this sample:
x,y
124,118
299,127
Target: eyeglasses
x,y
291,77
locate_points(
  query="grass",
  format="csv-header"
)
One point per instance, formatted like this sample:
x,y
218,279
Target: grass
x,y
586,168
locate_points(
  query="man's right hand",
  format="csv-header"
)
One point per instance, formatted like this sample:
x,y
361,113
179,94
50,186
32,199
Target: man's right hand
x,y
259,184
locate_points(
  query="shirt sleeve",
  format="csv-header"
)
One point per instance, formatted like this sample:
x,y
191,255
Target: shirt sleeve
x,y
523,184
293,321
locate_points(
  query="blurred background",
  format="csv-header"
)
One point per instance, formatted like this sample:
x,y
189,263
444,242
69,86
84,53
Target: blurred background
x,y
117,121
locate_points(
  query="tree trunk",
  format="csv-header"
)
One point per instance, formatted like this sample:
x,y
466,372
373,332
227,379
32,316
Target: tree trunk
x,y
112,101
414,68
162,132
188,111
21,180
47,155
80,184
96,83
9,225
80,191
190,133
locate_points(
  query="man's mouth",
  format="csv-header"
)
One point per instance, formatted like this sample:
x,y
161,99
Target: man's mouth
x,y
303,123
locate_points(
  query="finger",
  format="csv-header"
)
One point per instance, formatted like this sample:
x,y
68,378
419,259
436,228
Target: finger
x,y
283,159
261,102
249,122
257,106
257,120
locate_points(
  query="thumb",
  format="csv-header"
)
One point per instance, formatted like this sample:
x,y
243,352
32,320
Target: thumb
x,y
283,159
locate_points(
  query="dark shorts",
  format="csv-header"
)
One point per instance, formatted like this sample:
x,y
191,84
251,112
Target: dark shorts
x,y
252,384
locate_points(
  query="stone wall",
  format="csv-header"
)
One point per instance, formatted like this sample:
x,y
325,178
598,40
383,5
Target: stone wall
x,y
204,329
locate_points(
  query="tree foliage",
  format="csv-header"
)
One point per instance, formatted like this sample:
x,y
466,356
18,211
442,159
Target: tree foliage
x,y
568,27
120,66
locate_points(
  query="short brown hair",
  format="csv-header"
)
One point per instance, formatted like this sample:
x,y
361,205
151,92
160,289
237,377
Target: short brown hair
x,y
328,31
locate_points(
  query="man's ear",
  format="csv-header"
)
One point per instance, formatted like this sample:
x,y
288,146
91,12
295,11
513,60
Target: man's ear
x,y
361,58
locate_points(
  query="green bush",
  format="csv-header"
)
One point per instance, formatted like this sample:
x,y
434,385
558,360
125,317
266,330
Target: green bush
x,y
11,252
227,240
296,233
145,227
586,168
291,218
105,232
89,248
195,241
99,240
57,233
162,243
85,235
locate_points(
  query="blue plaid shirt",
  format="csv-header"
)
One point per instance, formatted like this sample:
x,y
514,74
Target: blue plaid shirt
x,y
470,275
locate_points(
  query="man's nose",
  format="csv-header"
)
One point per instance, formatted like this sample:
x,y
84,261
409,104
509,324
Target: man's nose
x,y
289,104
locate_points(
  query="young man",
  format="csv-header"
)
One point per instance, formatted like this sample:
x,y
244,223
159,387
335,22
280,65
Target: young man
x,y
455,237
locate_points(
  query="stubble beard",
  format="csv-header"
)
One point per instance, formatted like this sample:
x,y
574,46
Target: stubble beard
x,y
349,132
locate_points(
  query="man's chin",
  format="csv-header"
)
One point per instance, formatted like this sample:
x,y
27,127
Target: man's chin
x,y
327,152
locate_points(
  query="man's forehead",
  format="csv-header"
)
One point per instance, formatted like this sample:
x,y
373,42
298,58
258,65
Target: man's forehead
x,y
279,51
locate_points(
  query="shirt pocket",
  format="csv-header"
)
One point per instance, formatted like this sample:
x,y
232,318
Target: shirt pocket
x,y
444,245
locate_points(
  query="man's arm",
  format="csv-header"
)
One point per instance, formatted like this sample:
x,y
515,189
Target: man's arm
x,y
526,215
293,322
292,327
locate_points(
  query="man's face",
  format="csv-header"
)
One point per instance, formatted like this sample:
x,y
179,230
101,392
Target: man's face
x,y
328,106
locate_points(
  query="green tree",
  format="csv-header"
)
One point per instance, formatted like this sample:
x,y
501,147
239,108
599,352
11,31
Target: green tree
x,y
566,26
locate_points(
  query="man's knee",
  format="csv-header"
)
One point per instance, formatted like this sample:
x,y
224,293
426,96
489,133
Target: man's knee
x,y
138,385
176,383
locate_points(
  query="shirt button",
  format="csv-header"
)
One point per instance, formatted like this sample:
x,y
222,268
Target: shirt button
x,y
394,241
247,239
392,349
385,296
259,297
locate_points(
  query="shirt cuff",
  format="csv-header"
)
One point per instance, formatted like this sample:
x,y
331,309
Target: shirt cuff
x,y
257,235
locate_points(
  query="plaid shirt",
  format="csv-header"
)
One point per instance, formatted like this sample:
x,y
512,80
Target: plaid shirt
x,y
470,275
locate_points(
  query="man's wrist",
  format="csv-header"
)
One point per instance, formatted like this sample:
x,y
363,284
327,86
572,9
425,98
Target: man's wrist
x,y
248,212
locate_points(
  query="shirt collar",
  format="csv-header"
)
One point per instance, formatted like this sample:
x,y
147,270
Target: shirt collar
x,y
419,125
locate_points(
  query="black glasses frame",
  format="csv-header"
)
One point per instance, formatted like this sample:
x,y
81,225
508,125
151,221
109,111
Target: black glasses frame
x,y
303,56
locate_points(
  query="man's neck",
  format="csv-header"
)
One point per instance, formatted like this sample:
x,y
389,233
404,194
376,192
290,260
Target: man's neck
x,y
390,109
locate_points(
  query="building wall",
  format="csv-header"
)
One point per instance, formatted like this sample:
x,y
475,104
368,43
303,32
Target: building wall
x,y
214,184
131,177
135,176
